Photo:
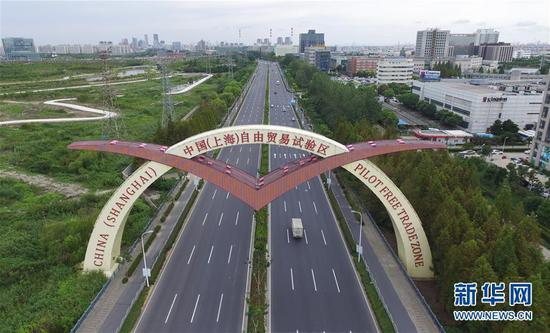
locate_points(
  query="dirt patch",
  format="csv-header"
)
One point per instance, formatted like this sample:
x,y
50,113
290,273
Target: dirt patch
x,y
48,184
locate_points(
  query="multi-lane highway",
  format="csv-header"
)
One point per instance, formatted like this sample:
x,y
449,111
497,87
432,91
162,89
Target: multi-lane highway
x,y
314,286
202,287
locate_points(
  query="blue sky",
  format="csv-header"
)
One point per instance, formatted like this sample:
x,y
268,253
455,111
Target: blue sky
x,y
367,22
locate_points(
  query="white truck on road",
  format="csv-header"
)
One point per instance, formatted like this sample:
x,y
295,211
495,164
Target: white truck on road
x,y
297,228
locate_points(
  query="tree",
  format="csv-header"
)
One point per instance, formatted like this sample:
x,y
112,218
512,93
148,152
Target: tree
x,y
409,100
543,213
508,126
496,128
388,93
485,150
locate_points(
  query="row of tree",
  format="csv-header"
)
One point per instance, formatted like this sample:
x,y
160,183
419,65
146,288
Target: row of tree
x,y
446,117
479,227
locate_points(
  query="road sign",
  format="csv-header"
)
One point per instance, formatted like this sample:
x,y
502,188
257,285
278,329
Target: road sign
x,y
146,272
359,249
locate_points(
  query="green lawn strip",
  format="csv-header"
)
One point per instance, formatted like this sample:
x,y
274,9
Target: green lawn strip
x,y
382,317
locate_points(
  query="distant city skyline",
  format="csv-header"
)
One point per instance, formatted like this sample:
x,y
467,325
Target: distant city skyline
x,y
344,23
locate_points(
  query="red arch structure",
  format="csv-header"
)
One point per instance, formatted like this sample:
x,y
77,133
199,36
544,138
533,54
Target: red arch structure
x,y
324,154
256,192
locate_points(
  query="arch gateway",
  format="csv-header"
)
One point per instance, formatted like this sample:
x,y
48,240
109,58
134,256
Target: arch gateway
x,y
326,154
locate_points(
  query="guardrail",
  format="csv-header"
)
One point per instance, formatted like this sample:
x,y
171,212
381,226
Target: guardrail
x,y
411,282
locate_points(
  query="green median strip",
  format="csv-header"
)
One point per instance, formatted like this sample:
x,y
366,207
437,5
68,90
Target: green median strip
x,y
382,317
257,304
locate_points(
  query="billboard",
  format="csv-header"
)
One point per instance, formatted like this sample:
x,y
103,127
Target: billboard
x,y
426,75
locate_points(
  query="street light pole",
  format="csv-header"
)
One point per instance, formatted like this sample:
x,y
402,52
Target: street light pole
x,y
359,248
145,271
504,144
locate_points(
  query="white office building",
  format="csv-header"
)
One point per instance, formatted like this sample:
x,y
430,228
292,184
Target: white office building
x,y
398,70
468,63
480,105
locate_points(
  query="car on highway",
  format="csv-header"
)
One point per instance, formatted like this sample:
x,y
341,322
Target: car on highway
x,y
297,228
293,119
497,152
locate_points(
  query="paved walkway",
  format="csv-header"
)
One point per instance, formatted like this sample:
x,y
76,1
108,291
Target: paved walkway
x,y
404,305
109,313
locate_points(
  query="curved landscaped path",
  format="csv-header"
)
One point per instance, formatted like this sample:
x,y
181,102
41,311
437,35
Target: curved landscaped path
x,y
102,114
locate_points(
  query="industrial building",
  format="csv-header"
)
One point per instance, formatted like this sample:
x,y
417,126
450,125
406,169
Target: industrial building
x,y
480,103
20,49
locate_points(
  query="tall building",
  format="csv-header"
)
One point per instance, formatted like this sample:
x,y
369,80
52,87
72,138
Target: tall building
x,y
318,57
201,46
432,44
501,52
176,46
311,38
397,70
486,36
21,49
288,41
540,150
146,40
361,63
462,44
156,43
280,41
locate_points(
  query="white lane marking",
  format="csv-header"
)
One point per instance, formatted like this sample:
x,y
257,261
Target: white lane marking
x,y
292,281
219,308
220,221
226,160
210,256
171,306
323,234
305,236
309,187
315,207
231,150
336,280
204,220
240,150
285,155
287,236
237,161
294,155
213,195
274,155
229,256
250,149
191,255
237,218
284,202
247,160
195,309
227,196
300,205
314,282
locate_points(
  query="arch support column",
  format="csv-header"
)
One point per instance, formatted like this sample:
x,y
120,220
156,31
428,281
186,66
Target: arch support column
x,y
412,245
105,240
